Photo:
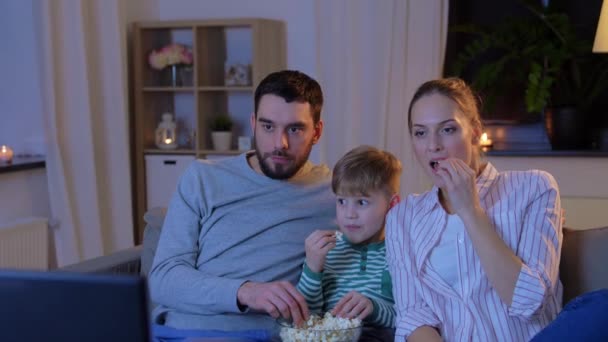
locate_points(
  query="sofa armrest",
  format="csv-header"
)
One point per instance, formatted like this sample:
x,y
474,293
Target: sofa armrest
x,y
583,261
122,262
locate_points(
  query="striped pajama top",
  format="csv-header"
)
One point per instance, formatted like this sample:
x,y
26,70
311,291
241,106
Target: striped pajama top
x,y
524,207
349,267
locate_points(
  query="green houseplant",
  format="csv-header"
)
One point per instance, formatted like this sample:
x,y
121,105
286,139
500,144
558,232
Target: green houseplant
x,y
221,132
221,122
542,60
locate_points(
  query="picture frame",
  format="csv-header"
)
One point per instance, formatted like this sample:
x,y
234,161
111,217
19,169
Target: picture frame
x,y
237,74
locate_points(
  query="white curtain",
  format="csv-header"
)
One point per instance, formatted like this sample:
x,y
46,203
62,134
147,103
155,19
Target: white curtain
x,y
372,55
82,49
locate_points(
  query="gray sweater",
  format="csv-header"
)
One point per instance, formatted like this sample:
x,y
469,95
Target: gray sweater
x,y
227,224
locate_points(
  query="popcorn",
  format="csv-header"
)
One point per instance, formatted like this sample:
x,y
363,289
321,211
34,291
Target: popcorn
x,y
326,329
339,235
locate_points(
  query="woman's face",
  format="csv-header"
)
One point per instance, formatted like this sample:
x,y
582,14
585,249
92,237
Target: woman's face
x,y
440,131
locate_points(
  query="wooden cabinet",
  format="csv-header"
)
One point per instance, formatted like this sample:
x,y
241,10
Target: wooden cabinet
x,y
195,95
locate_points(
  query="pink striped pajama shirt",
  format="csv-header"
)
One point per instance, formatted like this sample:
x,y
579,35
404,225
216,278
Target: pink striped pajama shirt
x,y
525,209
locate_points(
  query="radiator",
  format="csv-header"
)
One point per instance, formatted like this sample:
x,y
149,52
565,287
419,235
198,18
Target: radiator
x,y
25,244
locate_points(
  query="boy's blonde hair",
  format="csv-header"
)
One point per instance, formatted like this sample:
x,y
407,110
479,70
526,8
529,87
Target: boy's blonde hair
x,y
365,169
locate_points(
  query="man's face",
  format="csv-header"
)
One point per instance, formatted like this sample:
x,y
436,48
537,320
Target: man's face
x,y
284,134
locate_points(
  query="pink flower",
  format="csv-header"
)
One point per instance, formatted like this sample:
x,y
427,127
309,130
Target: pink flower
x,y
157,60
170,55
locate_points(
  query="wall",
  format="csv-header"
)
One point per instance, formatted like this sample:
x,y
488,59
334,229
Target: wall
x,y
582,183
141,10
23,193
21,121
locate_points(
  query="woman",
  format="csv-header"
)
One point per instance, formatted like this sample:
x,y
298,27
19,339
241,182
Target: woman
x,y
477,257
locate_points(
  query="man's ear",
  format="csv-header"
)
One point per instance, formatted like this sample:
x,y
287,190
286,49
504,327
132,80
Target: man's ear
x,y
394,201
252,123
318,130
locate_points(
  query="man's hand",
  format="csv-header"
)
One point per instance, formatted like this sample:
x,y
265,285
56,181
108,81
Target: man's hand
x,y
353,305
279,298
317,245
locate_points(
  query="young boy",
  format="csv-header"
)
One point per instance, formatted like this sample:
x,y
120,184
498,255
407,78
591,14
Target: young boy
x,y
345,272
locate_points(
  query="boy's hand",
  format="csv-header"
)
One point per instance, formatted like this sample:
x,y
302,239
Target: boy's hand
x,y
353,305
317,245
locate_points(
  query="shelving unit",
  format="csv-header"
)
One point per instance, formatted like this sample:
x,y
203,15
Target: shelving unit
x,y
259,43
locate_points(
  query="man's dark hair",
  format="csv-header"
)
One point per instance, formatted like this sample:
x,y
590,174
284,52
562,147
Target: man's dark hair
x,y
292,85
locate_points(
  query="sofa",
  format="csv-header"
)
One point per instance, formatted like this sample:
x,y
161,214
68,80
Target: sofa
x,y
582,268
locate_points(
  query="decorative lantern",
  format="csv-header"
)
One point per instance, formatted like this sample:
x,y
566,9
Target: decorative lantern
x,y
166,137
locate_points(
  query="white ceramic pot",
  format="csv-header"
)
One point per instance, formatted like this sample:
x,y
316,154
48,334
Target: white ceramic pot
x,y
221,140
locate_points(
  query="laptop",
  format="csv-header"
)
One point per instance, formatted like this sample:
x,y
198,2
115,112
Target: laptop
x,y
67,307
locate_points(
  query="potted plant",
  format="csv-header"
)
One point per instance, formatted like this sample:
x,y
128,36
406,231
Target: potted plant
x,y
221,132
541,60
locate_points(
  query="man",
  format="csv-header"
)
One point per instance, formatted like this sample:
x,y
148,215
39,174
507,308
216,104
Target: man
x,y
232,243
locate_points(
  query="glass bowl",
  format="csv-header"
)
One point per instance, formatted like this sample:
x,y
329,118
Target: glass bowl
x,y
286,332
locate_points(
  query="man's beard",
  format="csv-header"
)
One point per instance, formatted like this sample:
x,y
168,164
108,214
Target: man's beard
x,y
282,171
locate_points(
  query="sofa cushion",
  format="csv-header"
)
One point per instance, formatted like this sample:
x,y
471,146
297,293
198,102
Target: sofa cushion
x,y
154,218
583,261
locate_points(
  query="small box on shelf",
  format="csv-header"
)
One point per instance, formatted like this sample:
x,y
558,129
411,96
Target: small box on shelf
x,y
237,74
244,143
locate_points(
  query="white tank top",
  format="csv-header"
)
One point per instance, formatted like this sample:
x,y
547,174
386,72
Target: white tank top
x,y
443,257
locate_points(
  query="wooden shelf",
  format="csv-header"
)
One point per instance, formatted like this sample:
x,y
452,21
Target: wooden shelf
x,y
168,89
161,151
215,44
211,152
223,88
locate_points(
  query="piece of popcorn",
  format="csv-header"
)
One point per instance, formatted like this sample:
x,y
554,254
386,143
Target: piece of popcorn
x,y
339,235
328,328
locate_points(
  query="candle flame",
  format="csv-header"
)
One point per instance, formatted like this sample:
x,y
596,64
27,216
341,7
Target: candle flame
x,y
484,141
168,141
3,148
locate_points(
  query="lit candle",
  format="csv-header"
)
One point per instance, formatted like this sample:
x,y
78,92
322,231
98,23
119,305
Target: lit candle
x,y
168,141
485,141
6,154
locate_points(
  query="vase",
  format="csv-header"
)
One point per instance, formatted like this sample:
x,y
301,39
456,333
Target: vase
x,y
179,75
567,128
222,140
175,81
185,76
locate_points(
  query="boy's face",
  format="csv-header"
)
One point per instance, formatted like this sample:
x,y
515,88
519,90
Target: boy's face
x,y
361,218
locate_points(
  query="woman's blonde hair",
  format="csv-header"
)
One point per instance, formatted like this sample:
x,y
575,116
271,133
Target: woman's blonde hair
x,y
456,90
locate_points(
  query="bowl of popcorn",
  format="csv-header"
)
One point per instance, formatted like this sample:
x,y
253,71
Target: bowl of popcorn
x,y
321,329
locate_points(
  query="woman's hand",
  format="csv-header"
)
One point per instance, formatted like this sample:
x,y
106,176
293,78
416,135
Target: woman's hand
x,y
317,245
498,261
459,180
353,305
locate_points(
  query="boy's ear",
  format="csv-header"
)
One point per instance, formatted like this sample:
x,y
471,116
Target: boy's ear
x,y
394,200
